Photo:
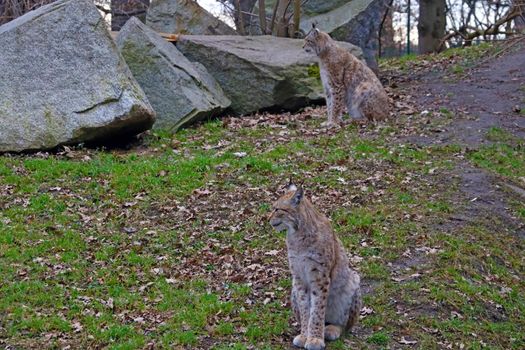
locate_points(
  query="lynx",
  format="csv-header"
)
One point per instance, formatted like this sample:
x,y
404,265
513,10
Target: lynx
x,y
326,298
348,82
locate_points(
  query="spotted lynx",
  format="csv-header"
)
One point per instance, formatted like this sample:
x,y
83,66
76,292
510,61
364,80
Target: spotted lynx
x,y
324,288
348,82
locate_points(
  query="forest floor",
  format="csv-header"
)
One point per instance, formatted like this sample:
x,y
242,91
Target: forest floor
x,y
165,244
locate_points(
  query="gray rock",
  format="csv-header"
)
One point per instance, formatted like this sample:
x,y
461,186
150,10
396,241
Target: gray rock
x,y
315,7
184,17
310,7
179,92
259,72
63,80
356,22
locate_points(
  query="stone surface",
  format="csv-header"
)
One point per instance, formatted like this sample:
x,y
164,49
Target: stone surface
x,y
63,80
356,22
184,17
310,7
180,92
259,72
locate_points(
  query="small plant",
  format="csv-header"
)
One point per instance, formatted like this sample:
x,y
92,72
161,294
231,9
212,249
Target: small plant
x,y
458,69
379,338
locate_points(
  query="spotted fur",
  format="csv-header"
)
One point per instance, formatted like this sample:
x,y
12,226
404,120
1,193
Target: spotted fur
x,y
348,83
326,298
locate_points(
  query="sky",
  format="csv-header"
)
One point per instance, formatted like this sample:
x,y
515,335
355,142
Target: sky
x,y
215,8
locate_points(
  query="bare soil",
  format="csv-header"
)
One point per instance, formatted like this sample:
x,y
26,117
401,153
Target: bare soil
x,y
489,95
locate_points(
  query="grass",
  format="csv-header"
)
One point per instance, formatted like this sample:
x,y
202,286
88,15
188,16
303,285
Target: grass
x,y
505,156
110,248
167,245
455,60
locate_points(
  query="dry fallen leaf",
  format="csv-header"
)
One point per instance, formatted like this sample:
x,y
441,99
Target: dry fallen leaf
x,y
405,341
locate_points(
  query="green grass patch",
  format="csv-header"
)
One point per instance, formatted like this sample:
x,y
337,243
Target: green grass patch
x,y
169,244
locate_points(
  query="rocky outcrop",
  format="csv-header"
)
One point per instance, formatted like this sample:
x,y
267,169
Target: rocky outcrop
x,y
184,17
180,92
356,22
259,72
63,80
316,7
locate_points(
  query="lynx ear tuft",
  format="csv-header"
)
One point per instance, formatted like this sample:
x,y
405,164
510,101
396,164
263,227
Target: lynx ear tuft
x,y
297,197
313,25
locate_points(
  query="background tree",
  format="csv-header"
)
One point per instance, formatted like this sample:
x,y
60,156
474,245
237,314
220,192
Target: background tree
x,y
519,21
280,21
242,15
432,24
122,10
386,33
11,9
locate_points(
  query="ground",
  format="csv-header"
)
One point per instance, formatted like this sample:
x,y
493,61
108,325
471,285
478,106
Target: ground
x,y
166,244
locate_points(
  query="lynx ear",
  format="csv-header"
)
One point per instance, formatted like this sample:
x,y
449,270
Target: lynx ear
x,y
297,197
290,186
314,28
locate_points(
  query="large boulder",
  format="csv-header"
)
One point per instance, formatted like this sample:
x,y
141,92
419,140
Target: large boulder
x,y
63,80
310,7
355,21
179,92
184,17
259,72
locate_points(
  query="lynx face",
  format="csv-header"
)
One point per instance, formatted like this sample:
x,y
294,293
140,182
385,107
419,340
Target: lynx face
x,y
315,41
284,210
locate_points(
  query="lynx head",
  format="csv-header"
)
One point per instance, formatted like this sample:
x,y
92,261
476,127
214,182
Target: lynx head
x,y
284,214
316,41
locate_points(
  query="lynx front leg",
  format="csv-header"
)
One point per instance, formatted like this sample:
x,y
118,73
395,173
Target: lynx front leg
x,y
339,105
301,309
318,299
329,106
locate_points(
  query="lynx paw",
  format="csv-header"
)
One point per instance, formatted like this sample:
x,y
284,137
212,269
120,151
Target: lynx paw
x,y
314,344
358,122
332,332
299,341
329,124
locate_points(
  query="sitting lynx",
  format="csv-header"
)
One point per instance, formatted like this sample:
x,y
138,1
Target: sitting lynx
x,y
348,82
324,289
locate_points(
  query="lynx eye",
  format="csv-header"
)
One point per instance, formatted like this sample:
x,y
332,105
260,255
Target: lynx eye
x,y
282,209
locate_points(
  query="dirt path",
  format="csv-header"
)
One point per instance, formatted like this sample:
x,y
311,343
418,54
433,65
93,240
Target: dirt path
x,y
491,95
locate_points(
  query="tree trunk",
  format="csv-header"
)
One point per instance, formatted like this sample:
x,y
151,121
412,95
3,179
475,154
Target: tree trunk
x,y
296,18
431,26
387,46
262,17
281,19
519,22
122,10
242,18
11,9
